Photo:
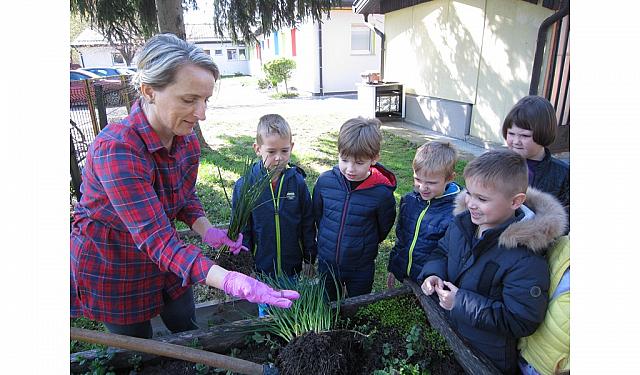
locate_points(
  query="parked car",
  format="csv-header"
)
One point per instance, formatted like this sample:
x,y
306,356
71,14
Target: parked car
x,y
111,87
107,71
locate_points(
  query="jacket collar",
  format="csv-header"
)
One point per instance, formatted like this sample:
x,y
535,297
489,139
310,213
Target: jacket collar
x,y
536,232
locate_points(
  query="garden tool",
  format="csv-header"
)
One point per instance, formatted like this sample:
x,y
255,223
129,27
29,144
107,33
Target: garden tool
x,y
173,351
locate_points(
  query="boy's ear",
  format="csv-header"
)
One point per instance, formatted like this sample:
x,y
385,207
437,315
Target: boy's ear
x,y
375,160
256,148
518,200
451,177
291,148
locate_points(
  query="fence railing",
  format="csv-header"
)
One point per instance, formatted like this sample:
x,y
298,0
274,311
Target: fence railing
x,y
94,103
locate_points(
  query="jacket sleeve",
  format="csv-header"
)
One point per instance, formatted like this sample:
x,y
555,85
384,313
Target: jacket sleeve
x,y
309,246
564,197
522,308
247,231
386,215
436,263
400,237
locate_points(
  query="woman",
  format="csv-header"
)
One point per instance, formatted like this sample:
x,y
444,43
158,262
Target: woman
x,y
127,262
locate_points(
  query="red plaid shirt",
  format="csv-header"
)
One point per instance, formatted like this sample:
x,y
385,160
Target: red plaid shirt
x,y
124,247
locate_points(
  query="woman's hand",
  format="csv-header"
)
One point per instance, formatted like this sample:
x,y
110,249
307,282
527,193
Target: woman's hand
x,y
217,237
242,286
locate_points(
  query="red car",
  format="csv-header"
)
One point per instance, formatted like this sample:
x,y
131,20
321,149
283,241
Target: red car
x,y
111,88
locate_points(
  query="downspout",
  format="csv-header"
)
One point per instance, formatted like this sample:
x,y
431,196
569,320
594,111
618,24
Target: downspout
x,y
382,39
542,40
320,56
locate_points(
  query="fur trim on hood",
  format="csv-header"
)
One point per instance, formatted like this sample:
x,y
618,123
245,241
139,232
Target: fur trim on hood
x,y
536,233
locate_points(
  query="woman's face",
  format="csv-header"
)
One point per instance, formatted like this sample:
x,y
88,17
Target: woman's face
x,y
177,108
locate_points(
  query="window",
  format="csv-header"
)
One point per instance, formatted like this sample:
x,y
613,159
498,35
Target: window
x,y
218,52
117,58
360,40
232,54
242,53
207,51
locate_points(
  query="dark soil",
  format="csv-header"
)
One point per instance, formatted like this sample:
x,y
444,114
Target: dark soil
x,y
243,262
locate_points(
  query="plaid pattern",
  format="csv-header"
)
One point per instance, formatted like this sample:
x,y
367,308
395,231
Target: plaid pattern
x,y
124,246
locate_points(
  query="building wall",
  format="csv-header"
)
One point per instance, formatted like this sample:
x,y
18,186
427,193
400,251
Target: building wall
x,y
101,56
456,54
340,68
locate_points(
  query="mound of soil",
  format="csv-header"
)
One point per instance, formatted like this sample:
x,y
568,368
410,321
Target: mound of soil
x,y
243,262
330,353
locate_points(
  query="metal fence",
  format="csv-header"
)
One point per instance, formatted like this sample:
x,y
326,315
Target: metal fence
x,y
94,103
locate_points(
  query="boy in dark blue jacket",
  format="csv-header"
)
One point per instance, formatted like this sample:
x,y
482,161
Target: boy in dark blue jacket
x,y
489,270
354,209
426,212
280,233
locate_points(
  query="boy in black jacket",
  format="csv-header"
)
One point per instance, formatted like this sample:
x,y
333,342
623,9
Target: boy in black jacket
x,y
280,233
489,269
354,208
426,212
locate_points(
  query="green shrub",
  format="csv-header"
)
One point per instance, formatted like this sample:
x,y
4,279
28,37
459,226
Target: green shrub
x,y
264,84
279,70
401,313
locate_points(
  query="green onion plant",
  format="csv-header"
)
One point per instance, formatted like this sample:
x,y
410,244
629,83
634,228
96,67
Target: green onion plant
x,y
311,312
249,194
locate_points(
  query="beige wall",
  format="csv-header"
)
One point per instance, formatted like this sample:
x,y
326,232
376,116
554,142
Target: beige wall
x,y
475,51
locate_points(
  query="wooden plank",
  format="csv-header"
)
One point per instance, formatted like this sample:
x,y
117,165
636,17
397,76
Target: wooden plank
x,y
471,361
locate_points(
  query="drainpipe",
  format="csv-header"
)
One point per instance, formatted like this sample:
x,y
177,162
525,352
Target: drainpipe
x,y
542,40
320,56
382,39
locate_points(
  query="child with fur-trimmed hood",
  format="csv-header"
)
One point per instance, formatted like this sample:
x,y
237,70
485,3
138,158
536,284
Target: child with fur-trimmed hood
x,y
489,270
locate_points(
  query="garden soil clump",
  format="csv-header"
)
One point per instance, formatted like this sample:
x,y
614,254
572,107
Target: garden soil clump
x,y
243,262
330,353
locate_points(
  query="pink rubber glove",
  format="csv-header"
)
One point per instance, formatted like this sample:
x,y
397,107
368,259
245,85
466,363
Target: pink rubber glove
x,y
243,286
217,237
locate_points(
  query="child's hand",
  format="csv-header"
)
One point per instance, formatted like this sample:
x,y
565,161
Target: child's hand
x,y
447,297
391,281
429,284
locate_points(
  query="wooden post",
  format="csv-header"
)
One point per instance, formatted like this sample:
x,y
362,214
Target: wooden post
x,y
91,106
102,108
471,361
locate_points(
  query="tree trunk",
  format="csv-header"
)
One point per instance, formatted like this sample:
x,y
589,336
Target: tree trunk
x,y
170,20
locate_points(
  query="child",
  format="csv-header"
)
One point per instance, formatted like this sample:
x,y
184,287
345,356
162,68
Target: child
x,y
489,269
280,232
426,212
546,352
529,128
354,208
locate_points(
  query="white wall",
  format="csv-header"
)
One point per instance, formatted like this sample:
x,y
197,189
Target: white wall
x,y
478,52
226,66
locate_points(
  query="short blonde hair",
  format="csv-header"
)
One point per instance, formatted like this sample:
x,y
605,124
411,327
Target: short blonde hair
x,y
436,157
502,170
360,138
272,124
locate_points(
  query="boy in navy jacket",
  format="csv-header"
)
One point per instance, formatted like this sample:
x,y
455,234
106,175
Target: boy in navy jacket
x,y
489,270
426,212
280,232
354,209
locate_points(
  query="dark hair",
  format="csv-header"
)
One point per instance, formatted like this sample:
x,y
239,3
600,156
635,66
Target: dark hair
x,y
503,170
360,138
533,113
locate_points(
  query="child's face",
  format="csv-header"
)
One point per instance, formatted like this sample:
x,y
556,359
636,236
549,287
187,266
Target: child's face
x,y
275,150
521,141
430,184
489,207
355,169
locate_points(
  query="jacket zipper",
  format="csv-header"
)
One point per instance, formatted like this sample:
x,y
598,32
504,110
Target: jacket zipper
x,y
415,236
344,214
276,208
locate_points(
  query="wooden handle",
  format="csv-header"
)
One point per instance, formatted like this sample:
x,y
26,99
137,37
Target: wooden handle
x,y
167,350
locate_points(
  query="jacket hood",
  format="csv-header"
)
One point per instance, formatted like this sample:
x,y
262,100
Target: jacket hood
x,y
379,176
536,231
